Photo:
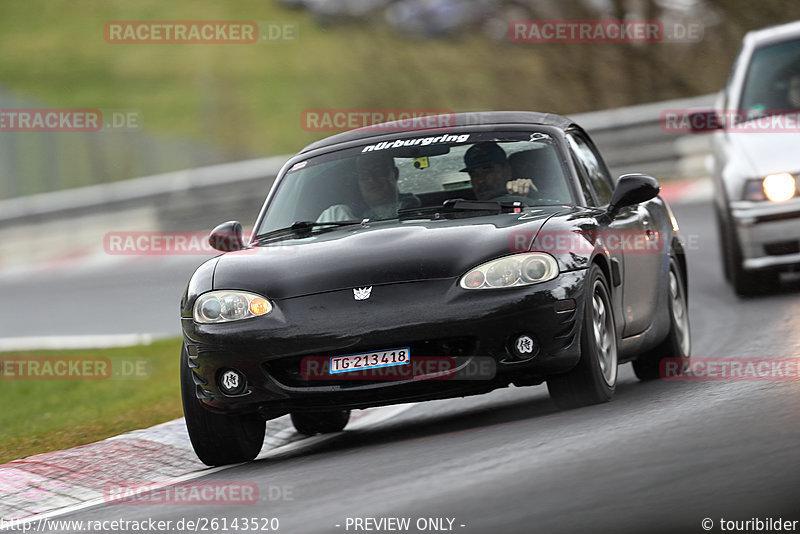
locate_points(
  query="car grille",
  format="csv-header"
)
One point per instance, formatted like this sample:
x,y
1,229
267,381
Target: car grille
x,y
780,248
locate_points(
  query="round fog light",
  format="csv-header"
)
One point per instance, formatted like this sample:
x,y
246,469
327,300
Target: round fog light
x,y
231,382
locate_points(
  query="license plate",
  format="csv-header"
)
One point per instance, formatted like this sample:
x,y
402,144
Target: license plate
x,y
370,360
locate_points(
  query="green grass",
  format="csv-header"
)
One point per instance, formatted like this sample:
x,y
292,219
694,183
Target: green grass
x,y
245,99
239,100
45,415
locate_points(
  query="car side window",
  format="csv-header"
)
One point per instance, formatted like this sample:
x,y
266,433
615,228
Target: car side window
x,y
729,82
595,171
583,180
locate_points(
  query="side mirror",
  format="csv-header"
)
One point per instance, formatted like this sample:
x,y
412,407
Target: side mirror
x,y
705,121
632,189
227,237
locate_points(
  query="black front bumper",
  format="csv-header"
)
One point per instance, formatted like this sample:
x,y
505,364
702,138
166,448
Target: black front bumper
x,y
435,318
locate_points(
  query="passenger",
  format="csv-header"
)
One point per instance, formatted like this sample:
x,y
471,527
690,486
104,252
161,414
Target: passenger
x,y
377,182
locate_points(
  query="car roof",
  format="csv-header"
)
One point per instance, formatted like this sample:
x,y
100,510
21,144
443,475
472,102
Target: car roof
x,y
482,120
772,34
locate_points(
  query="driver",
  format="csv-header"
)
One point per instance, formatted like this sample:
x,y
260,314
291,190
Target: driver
x,y
377,182
490,173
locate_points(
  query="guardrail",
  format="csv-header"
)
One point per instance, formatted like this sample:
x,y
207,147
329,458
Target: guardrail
x,y
34,162
630,138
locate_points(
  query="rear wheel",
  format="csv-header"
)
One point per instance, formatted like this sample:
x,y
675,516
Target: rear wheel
x,y
320,422
218,439
594,379
678,343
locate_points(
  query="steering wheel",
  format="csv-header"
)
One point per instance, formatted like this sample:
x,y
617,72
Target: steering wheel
x,y
502,195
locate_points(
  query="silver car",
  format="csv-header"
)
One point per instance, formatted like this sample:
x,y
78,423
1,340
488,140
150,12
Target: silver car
x,y
755,162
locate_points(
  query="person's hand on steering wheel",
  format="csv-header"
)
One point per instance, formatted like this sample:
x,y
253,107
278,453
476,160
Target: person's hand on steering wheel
x,y
520,186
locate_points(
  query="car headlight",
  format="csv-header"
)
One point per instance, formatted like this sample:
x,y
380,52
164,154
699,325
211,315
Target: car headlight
x,y
511,271
775,187
780,187
225,306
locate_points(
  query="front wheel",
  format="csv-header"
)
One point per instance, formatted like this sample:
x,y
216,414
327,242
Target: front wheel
x,y
678,342
724,252
745,283
218,439
594,379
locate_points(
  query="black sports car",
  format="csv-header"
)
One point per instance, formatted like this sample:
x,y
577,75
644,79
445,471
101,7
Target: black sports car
x,y
392,264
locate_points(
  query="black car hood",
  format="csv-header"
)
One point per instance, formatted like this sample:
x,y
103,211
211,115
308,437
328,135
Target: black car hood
x,y
381,253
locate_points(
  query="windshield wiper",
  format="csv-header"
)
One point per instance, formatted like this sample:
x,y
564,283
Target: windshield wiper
x,y
456,205
299,228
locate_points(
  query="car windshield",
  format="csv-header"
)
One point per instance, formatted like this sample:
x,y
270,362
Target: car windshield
x,y
390,179
772,84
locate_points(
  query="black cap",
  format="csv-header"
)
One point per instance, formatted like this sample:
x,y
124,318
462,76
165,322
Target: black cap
x,y
487,153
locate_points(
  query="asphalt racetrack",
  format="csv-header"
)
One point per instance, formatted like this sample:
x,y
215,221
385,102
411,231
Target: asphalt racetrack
x,y
660,457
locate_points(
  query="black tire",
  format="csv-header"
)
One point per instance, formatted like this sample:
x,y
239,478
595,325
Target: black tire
x,y
593,380
745,283
723,244
218,439
678,343
311,424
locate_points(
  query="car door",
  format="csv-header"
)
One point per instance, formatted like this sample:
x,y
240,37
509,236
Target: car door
x,y
632,242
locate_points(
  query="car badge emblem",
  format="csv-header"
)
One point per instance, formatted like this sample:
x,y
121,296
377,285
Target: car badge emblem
x,y
362,293
230,380
524,345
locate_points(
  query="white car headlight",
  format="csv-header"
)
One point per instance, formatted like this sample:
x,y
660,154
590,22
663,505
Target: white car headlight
x,y
224,306
779,187
775,187
511,271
